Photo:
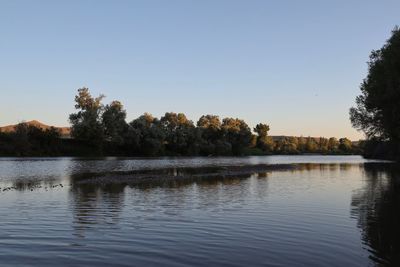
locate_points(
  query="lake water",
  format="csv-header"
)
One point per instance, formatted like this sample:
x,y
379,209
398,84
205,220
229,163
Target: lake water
x,y
331,211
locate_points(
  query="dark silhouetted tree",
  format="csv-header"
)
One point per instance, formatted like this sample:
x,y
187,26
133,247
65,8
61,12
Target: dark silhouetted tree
x,y
264,142
377,111
237,133
180,137
211,136
115,126
147,136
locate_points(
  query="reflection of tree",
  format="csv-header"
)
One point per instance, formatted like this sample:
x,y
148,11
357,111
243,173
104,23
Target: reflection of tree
x,y
95,204
323,167
377,207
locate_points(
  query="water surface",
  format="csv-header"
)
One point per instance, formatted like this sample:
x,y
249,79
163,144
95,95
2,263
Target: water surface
x,y
331,211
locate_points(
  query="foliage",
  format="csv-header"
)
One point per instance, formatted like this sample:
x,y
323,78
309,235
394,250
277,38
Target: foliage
x,y
146,136
264,142
237,133
86,123
28,140
179,133
377,111
113,119
99,129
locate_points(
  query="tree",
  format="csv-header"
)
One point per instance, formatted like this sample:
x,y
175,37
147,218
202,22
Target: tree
x,y
86,123
293,144
209,122
286,145
29,140
323,145
301,144
333,144
377,111
21,139
179,133
311,145
211,136
146,135
237,133
264,142
345,145
262,129
115,126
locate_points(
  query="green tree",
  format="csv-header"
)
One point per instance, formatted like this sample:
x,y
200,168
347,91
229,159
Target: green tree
x,y
345,145
115,126
264,142
323,145
146,136
333,145
293,144
180,137
237,133
377,111
209,122
21,140
86,123
211,136
262,129
286,145
301,144
311,145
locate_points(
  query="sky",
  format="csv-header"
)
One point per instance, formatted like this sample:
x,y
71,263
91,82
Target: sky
x,y
295,65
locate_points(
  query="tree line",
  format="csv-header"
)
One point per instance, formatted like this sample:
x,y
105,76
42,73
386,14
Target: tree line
x,y
101,129
104,127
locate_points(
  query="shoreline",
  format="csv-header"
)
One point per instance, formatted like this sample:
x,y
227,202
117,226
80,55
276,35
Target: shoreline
x,y
175,156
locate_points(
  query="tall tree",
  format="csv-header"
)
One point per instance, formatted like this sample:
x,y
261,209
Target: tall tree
x,y
115,126
345,145
211,136
333,144
264,142
377,111
179,132
146,135
323,145
86,122
237,133
311,145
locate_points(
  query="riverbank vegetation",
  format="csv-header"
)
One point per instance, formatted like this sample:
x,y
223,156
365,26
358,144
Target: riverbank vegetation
x,y
377,111
102,130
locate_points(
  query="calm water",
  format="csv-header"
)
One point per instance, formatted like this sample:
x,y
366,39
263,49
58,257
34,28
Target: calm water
x,y
332,211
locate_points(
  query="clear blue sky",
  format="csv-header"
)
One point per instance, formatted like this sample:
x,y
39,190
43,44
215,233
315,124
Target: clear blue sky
x,y
296,65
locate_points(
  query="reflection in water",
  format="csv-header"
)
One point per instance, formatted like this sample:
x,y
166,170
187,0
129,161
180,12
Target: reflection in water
x,y
296,217
377,207
93,205
99,204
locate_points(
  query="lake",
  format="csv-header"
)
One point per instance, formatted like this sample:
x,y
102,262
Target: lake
x,y
329,211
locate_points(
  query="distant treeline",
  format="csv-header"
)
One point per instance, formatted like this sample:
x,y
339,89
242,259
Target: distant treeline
x,y
99,129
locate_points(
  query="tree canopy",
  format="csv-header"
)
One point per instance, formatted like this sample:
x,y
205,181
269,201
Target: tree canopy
x,y
86,122
377,110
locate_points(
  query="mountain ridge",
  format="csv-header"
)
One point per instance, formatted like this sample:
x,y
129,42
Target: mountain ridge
x,y
64,131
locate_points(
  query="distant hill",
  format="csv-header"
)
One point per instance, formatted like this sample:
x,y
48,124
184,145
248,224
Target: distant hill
x,y
65,132
316,139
